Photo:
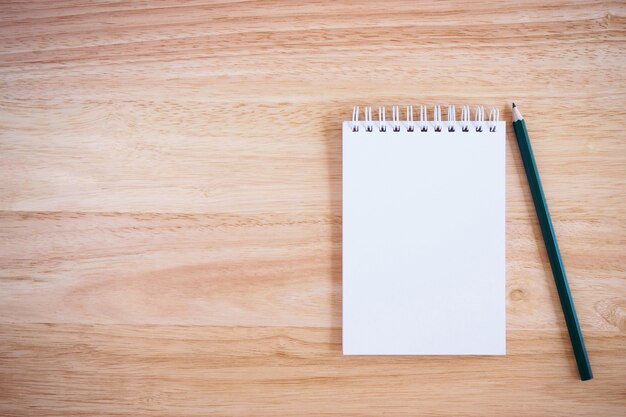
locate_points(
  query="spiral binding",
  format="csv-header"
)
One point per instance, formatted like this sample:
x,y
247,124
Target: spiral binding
x,y
423,123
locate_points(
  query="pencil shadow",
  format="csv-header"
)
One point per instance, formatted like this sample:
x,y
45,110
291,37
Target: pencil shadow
x,y
333,140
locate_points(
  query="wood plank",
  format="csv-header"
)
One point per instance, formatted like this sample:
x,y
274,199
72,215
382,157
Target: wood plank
x,y
270,269
265,371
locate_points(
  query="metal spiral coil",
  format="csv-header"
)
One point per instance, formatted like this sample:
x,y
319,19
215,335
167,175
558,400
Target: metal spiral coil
x,y
424,123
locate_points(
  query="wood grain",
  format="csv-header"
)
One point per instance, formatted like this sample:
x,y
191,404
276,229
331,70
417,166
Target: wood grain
x,y
170,203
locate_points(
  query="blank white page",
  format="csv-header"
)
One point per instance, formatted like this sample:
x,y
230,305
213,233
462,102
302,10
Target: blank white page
x,y
423,242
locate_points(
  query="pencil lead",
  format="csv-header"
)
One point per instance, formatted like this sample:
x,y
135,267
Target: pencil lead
x,y
514,104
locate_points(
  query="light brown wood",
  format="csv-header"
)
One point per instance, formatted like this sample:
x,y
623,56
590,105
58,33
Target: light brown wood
x,y
170,203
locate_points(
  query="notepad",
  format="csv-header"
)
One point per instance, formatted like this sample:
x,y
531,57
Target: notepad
x,y
424,233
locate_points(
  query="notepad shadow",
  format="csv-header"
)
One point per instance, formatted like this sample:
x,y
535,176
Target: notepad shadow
x,y
332,139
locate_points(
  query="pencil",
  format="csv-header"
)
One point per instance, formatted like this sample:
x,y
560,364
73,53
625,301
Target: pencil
x,y
549,237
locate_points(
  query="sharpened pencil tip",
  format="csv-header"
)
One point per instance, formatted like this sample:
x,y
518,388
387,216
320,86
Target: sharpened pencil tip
x,y
516,114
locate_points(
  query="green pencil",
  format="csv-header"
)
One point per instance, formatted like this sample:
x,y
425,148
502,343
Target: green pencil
x,y
549,237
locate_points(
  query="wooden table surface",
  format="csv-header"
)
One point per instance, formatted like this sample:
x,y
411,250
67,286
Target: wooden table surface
x,y
170,203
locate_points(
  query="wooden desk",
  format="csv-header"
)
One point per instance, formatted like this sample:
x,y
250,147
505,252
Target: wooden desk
x,y
170,238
